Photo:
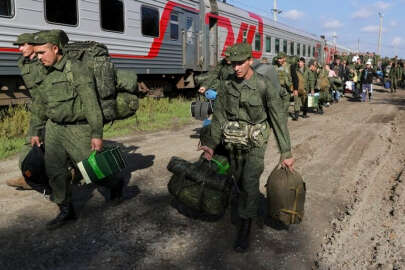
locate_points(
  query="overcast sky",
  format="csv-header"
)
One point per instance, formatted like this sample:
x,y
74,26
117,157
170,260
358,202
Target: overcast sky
x,y
351,20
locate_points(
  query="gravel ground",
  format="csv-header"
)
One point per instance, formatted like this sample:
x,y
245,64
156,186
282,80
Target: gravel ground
x,y
352,159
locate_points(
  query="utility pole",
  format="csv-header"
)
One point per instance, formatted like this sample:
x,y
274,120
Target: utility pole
x,y
358,46
334,36
381,15
275,11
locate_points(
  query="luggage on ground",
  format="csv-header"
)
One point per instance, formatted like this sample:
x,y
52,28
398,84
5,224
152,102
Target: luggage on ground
x,y
33,170
201,189
286,196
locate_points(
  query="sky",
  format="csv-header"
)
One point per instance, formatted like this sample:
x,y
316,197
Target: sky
x,y
355,22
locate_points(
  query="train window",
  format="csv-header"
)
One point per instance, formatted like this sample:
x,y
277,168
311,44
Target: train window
x,y
112,15
258,45
174,27
244,36
285,46
61,12
309,50
304,50
292,52
298,49
7,8
313,51
268,44
277,45
150,21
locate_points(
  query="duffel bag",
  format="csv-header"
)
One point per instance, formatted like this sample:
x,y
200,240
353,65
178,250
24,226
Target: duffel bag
x,y
286,196
199,189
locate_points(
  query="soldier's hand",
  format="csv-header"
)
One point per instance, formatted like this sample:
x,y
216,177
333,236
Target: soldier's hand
x,y
96,144
35,141
295,93
288,163
202,90
312,92
208,152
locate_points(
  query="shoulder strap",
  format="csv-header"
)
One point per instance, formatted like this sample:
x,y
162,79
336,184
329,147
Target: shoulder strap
x,y
68,71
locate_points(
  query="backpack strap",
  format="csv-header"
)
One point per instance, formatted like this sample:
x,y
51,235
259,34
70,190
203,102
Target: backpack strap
x,y
68,71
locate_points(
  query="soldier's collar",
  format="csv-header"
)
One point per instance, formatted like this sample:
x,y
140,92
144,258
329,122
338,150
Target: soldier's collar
x,y
61,64
251,83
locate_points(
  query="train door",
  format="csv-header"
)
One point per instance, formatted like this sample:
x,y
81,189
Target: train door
x,y
190,40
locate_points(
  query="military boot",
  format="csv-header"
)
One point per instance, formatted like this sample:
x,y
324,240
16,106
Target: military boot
x,y
19,183
242,240
116,194
304,113
65,216
295,116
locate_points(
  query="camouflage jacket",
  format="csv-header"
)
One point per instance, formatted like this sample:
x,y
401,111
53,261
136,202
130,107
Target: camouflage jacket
x,y
65,103
306,79
32,71
221,72
284,76
254,101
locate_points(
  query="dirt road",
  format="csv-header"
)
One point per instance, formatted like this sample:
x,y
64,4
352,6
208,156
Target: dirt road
x,y
352,159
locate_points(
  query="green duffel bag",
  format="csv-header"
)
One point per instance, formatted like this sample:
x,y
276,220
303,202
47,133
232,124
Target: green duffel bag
x,y
126,81
286,196
127,105
200,190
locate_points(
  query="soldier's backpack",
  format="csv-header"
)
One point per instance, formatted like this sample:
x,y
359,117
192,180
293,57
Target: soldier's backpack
x,y
285,196
200,190
109,82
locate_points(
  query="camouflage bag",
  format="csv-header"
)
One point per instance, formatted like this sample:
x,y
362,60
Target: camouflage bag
x,y
285,196
243,136
127,81
200,190
96,57
127,105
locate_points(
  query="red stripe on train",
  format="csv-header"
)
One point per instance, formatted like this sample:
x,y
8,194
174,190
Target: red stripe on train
x,y
9,50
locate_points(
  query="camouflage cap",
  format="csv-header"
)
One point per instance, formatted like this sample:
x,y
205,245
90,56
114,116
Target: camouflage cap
x,y
56,37
240,52
24,38
282,55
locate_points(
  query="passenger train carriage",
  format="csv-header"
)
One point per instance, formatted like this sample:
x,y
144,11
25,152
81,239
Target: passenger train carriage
x,y
165,42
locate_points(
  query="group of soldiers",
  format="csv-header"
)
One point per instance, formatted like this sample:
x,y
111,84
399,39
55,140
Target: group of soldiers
x,y
65,116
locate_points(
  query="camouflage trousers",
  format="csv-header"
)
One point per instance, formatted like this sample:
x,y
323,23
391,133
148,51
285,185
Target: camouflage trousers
x,y
64,143
247,167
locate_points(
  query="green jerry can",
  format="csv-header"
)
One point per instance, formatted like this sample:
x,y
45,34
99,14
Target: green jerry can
x,y
101,165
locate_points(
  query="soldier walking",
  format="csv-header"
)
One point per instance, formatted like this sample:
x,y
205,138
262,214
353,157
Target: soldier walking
x,y
284,76
33,73
72,117
246,107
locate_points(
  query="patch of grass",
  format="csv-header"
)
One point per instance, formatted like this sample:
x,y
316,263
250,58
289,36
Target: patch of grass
x,y
153,114
13,129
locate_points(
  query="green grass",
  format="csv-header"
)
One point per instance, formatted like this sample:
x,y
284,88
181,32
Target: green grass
x,y
152,115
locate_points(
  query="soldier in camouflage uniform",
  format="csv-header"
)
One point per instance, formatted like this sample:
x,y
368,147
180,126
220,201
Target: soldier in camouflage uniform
x,y
33,72
221,72
303,75
394,76
72,117
247,105
283,69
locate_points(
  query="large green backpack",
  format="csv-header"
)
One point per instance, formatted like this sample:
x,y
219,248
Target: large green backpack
x,y
115,88
96,56
286,196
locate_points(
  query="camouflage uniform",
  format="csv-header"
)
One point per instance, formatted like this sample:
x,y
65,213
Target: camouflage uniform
x,y
253,105
72,115
303,87
284,75
220,72
395,76
33,73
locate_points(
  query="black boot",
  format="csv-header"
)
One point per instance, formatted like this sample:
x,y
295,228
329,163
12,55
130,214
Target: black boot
x,y
304,112
66,215
320,110
295,116
242,240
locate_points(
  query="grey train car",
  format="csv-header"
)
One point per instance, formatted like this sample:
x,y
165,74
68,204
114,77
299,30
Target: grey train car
x,y
165,42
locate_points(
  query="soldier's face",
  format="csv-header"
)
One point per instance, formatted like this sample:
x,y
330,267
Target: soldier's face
x,y
301,64
242,68
47,54
26,49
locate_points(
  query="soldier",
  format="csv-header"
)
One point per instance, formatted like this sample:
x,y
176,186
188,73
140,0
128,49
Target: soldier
x,y
358,68
221,72
303,86
323,85
366,77
284,76
73,117
394,76
33,72
247,105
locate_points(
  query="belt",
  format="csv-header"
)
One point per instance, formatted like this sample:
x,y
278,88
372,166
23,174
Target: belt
x,y
81,122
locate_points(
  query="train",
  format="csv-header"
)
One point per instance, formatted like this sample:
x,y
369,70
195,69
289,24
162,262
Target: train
x,y
167,42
